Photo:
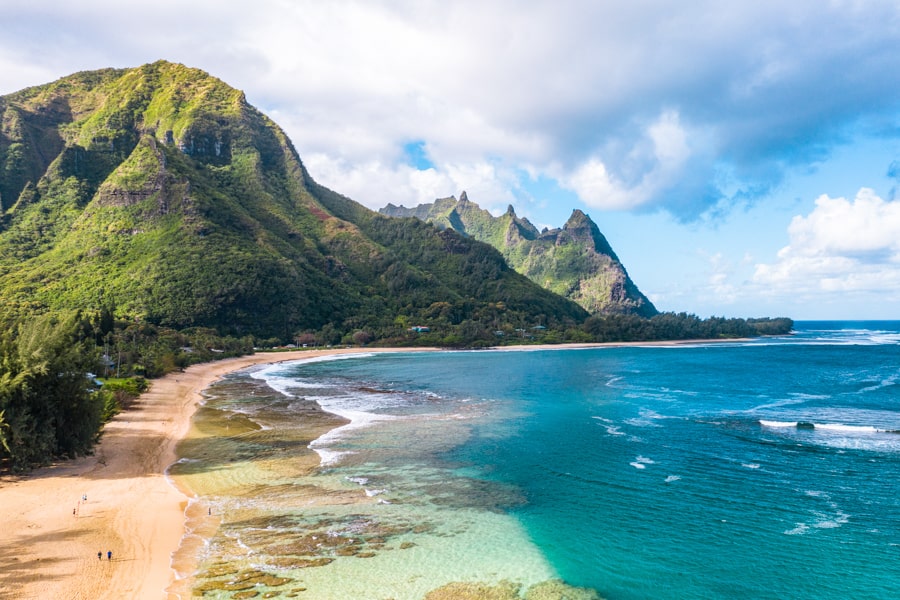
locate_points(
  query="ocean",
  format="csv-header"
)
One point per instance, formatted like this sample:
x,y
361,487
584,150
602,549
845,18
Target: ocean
x,y
750,469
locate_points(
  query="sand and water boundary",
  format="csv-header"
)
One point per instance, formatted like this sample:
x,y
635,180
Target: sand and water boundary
x,y
57,519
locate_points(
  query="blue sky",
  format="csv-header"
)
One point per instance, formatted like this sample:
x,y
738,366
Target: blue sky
x,y
741,157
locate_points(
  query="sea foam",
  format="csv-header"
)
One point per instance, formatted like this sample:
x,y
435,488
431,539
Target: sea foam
x,y
828,427
641,462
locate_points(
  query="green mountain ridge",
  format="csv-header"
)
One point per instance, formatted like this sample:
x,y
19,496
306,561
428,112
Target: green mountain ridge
x,y
161,192
575,261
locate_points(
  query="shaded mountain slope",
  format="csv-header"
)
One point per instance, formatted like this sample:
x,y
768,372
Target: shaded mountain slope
x,y
575,261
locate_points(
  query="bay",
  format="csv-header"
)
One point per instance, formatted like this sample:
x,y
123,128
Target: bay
x,y
750,469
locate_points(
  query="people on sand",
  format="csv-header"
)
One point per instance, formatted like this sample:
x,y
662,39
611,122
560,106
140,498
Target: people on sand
x,y
109,555
100,555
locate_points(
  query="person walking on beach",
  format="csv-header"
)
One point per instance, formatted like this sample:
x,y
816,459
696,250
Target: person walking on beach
x,y
100,556
109,555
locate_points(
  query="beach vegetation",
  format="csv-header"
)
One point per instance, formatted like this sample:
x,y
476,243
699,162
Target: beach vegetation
x,y
680,326
119,392
63,375
48,403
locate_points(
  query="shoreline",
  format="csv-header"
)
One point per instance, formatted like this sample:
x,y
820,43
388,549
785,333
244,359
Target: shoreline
x,y
51,537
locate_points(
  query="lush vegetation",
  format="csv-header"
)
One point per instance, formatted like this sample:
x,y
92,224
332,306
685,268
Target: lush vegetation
x,y
575,261
681,326
47,402
172,199
150,218
63,375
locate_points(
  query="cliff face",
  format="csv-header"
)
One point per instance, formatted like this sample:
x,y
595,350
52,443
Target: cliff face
x,y
160,191
575,261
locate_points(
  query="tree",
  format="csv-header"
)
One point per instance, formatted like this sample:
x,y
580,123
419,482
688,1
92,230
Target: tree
x,y
48,404
306,339
362,337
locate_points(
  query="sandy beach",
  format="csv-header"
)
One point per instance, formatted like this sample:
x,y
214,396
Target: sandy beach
x,y
51,537
57,519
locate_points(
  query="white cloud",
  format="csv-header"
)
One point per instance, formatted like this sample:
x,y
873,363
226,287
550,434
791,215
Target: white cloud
x,y
721,287
594,185
841,247
20,73
375,184
657,160
632,106
867,226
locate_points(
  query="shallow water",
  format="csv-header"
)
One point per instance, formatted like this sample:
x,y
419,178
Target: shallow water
x,y
638,472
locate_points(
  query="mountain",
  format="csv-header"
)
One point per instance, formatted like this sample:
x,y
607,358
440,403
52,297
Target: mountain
x,y
575,261
161,192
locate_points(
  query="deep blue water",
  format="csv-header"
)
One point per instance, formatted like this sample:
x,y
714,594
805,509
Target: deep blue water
x,y
766,469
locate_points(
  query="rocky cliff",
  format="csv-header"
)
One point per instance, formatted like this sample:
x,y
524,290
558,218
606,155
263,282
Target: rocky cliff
x,y
575,261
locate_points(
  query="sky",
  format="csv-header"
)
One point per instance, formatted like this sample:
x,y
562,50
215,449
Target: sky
x,y
742,157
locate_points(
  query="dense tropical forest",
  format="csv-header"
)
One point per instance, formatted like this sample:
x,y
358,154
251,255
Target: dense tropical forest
x,y
62,376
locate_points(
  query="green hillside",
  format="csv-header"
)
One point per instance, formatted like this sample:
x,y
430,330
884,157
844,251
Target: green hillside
x,y
575,261
161,192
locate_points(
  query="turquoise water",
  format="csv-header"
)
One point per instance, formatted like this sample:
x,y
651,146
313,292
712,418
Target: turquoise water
x,y
766,469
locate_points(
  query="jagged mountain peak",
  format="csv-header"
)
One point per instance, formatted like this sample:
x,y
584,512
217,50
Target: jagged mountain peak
x,y
580,225
575,261
577,219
